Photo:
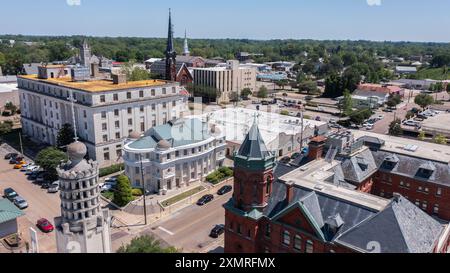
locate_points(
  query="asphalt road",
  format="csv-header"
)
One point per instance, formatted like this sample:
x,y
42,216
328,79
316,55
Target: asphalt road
x,y
189,228
40,203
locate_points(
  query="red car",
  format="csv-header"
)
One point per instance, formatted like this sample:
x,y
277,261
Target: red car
x,y
45,225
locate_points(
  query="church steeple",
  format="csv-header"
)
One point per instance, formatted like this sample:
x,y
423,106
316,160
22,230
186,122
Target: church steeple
x,y
186,46
171,55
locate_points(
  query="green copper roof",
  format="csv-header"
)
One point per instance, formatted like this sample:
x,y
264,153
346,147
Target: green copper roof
x,y
178,133
8,211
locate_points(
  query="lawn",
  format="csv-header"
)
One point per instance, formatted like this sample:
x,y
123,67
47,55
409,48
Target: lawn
x,y
432,73
182,196
108,195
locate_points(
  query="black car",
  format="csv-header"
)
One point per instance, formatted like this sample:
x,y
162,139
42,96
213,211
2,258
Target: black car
x,y
46,185
285,160
224,190
11,155
10,194
205,199
15,160
295,155
217,231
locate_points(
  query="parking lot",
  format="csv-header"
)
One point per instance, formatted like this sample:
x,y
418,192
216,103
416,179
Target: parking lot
x,y
40,203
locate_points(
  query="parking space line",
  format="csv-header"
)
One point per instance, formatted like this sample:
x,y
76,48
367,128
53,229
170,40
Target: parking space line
x,y
166,231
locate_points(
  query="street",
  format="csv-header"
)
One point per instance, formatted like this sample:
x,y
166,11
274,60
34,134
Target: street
x,y
188,229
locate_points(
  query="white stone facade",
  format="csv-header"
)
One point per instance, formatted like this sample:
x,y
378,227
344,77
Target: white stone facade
x,y
103,119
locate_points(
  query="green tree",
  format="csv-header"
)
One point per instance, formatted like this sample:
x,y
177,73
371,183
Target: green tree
x,y
65,136
234,97
395,128
5,128
11,107
422,135
123,194
207,93
282,83
358,117
146,244
245,93
440,139
49,159
424,100
309,86
346,104
262,92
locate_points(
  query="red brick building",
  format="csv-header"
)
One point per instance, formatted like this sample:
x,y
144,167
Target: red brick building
x,y
308,210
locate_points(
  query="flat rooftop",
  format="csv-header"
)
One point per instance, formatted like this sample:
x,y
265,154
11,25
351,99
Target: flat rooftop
x,y
237,122
96,85
312,176
439,123
399,145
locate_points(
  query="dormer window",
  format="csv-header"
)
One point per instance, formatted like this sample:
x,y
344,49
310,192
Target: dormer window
x,y
390,162
426,170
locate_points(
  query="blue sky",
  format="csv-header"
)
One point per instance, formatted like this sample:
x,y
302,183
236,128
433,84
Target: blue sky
x,y
396,20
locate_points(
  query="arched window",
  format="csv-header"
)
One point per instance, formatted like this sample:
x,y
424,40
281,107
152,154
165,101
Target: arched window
x,y
298,243
268,184
286,238
309,246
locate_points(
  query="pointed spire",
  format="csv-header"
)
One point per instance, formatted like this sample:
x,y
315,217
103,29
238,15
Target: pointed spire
x,y
170,47
254,145
186,46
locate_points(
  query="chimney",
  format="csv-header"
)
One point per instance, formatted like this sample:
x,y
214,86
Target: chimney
x,y
289,191
119,78
396,197
95,70
316,147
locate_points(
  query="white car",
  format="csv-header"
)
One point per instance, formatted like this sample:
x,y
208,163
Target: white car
x,y
412,123
106,187
380,117
54,187
369,127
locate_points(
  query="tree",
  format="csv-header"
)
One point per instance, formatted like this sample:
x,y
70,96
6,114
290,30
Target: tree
x,y
358,117
234,97
282,83
5,128
440,139
424,100
245,93
207,93
123,194
49,159
346,104
309,86
409,115
262,92
422,135
146,244
65,136
11,107
395,128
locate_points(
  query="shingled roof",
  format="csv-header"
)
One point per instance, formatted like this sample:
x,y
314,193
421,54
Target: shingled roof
x,y
253,145
400,228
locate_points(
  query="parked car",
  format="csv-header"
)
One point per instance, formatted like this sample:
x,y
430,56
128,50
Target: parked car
x,y
35,174
285,160
32,170
20,164
20,202
295,155
224,190
11,155
369,127
44,225
388,110
15,160
411,123
380,117
54,187
46,185
10,194
318,118
205,199
40,177
305,150
217,231
106,187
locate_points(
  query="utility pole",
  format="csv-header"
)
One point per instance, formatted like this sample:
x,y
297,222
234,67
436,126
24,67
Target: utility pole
x,y
144,190
21,146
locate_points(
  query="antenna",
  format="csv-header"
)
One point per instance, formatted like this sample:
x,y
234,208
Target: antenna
x,y
72,101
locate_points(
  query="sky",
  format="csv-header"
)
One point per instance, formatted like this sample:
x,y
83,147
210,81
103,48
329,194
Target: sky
x,y
378,20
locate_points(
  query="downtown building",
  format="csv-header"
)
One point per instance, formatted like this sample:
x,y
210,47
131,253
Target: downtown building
x,y
105,111
324,206
174,155
227,79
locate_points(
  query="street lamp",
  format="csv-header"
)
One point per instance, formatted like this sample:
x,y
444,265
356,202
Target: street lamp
x,y
143,190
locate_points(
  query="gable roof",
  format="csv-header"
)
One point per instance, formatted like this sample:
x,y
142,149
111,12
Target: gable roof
x,y
253,145
8,211
400,228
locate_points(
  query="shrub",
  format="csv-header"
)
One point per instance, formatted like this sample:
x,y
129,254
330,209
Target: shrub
x,y
137,192
111,169
284,113
219,175
124,194
227,172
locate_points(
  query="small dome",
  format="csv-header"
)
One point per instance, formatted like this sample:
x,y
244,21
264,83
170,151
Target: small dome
x,y
215,130
76,151
134,135
163,144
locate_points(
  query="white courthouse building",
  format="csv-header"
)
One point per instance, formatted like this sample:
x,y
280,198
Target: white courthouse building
x,y
174,155
227,78
106,111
